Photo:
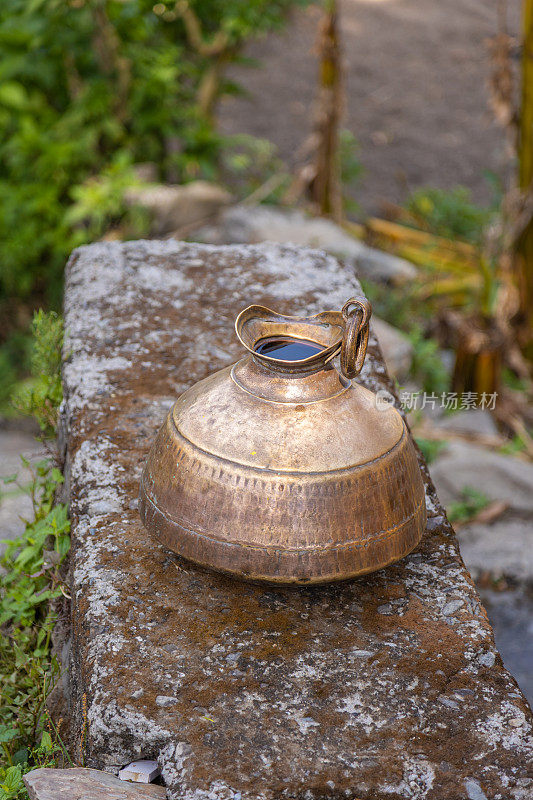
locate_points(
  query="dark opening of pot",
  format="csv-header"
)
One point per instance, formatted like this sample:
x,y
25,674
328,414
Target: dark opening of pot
x,y
284,348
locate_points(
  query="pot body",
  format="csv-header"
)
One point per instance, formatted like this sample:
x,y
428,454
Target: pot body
x,y
284,477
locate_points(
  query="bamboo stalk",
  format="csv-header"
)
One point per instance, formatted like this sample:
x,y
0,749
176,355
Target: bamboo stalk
x,y
326,191
524,246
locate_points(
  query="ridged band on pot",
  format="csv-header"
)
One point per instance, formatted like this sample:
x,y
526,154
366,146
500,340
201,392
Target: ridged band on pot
x,y
286,473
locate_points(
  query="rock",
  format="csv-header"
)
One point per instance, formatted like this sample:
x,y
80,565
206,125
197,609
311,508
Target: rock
x,y
474,790
178,206
497,476
251,224
472,421
505,546
327,697
396,348
452,607
140,772
86,784
164,701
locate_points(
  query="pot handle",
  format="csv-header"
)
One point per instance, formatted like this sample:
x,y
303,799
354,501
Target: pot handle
x,y
356,313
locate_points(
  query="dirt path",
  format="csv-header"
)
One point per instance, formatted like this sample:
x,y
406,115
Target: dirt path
x,y
416,92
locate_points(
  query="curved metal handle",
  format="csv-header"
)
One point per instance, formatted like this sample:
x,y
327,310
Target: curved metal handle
x,y
356,313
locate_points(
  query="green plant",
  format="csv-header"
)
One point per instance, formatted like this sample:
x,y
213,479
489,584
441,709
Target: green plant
x,y
427,365
397,305
89,88
430,448
41,395
99,202
469,506
449,213
251,166
472,281
513,381
30,582
50,752
11,785
514,446
350,168
31,592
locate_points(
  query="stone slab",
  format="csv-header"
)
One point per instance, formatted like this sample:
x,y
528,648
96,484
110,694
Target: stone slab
x,y
85,784
386,687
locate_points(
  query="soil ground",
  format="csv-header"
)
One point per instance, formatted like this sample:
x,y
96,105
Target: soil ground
x,y
416,93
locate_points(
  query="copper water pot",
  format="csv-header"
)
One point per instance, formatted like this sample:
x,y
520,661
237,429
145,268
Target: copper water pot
x,y
286,471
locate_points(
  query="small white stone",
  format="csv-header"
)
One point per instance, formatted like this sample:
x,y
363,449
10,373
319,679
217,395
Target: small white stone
x,y
452,607
487,659
446,701
163,701
140,772
474,790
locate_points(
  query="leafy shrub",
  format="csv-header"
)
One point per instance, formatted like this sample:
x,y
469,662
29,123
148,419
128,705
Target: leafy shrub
x,y
427,365
88,88
13,360
450,213
470,504
31,580
31,585
399,307
251,164
350,168
41,395
11,786
430,448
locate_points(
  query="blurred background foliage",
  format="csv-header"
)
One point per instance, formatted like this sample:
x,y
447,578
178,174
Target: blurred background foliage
x,y
451,213
92,92
88,88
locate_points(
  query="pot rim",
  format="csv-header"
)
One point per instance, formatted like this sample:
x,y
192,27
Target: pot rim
x,y
297,327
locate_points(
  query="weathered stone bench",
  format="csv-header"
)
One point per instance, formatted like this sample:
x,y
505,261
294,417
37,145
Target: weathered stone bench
x,y
385,687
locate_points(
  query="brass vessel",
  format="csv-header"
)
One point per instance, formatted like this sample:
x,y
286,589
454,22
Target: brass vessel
x,y
284,470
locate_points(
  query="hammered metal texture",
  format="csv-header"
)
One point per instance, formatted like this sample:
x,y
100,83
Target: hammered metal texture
x,y
283,479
